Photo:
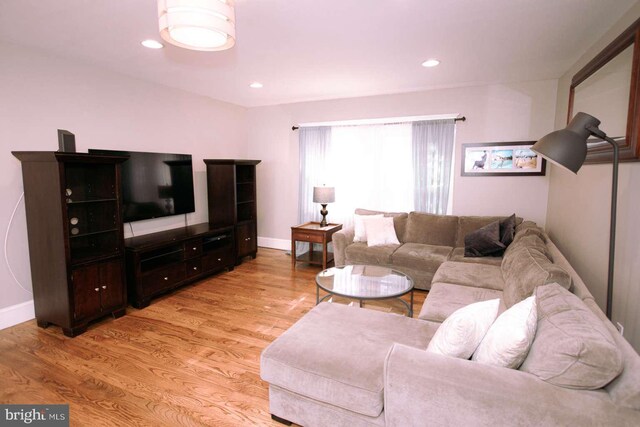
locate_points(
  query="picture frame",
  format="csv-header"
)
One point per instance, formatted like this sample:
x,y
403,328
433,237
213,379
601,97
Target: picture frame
x,y
502,159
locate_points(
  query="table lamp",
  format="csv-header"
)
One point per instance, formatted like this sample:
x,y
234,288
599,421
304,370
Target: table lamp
x,y
324,196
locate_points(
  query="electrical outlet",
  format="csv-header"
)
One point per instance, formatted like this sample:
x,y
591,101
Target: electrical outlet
x,y
620,328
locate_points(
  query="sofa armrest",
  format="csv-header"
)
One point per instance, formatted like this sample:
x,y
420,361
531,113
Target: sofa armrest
x,y
341,239
423,388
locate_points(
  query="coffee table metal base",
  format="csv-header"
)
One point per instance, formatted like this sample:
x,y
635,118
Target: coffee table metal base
x,y
408,306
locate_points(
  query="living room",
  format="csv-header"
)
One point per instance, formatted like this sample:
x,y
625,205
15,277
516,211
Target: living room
x,y
61,82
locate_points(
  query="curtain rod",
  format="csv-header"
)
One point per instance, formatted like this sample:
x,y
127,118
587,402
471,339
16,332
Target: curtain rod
x,y
456,119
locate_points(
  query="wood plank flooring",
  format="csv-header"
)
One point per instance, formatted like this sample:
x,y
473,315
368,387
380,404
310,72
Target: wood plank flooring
x,y
192,358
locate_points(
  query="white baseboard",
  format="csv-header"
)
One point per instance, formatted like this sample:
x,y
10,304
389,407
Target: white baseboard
x,y
15,314
268,242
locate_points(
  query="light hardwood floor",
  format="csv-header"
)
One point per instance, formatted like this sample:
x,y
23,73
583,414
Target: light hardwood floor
x,y
191,358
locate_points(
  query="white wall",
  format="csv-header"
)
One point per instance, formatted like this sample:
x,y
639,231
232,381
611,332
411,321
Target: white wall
x,y
39,94
579,213
495,113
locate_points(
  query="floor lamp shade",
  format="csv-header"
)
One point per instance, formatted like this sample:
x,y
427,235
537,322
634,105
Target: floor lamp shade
x,y
568,148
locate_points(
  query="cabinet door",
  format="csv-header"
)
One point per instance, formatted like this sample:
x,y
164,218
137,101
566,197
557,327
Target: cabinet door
x,y
86,292
246,239
111,285
221,194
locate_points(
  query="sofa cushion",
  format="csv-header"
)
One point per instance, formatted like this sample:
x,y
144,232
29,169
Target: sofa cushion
x,y
469,224
572,348
524,225
509,339
359,229
525,269
485,241
470,274
457,255
335,354
399,219
380,231
446,298
530,231
419,256
529,240
460,333
430,229
507,230
360,253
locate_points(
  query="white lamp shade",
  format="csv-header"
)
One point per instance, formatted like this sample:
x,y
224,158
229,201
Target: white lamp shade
x,y
207,25
324,195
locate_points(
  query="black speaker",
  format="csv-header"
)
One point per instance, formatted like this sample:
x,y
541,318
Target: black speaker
x,y
66,141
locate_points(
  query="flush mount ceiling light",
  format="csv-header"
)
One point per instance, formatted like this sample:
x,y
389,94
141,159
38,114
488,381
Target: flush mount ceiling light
x,y
207,25
255,85
430,62
152,44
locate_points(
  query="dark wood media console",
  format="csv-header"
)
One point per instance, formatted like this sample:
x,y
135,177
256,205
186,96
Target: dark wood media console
x,y
159,262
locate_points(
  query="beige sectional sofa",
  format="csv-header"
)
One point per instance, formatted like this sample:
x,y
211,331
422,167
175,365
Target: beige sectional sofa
x,y
342,365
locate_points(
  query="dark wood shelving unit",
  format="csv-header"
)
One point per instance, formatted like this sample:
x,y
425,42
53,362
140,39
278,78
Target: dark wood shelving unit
x,y
231,187
75,235
162,261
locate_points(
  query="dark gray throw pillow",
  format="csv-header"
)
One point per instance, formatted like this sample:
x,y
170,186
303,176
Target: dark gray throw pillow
x,y
507,230
484,241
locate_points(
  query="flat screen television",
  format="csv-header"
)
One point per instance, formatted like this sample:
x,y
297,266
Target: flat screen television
x,y
155,185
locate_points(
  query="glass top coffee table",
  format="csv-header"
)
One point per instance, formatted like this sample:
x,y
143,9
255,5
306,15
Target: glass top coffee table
x,y
365,282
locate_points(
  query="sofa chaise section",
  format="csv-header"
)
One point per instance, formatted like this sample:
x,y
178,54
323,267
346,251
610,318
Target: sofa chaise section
x,y
322,359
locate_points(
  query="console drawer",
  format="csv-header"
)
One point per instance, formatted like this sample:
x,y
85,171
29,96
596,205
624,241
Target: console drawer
x,y
193,267
163,278
192,249
217,260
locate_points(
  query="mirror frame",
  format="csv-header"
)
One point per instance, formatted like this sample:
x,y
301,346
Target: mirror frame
x,y
630,147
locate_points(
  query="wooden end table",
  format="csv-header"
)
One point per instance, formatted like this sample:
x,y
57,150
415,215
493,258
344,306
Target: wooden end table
x,y
311,232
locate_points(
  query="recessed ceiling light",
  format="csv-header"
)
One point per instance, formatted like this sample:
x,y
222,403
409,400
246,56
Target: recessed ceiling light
x,y
256,85
430,63
152,44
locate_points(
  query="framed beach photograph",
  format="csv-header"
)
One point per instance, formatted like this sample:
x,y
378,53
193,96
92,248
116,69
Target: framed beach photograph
x,y
501,158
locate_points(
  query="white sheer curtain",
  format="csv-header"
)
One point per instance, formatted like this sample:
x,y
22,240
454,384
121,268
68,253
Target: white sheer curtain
x,y
315,156
432,143
389,167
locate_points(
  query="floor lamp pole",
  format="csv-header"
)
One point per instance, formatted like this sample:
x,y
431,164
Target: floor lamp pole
x,y
612,229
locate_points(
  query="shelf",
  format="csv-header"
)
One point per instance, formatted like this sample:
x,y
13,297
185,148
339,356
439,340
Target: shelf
x,y
215,238
245,202
81,202
166,254
93,254
93,233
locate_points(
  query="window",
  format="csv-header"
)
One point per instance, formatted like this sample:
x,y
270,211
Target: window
x,y
389,167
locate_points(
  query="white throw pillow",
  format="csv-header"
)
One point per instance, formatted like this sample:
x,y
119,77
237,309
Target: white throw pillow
x,y
380,231
508,340
360,233
461,332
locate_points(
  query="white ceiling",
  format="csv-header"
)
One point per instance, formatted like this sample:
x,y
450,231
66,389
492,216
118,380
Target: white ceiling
x,y
304,50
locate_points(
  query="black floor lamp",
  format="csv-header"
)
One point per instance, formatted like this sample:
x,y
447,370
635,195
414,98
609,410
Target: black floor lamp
x,y
568,148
